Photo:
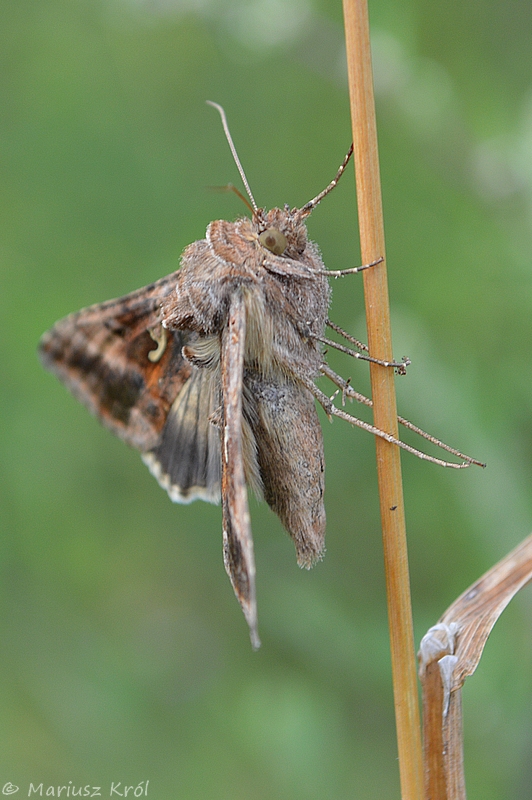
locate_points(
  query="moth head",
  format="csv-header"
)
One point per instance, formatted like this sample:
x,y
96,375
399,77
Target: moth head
x,y
272,238
281,231
274,241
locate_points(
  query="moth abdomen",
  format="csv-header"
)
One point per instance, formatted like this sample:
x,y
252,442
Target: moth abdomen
x,y
290,458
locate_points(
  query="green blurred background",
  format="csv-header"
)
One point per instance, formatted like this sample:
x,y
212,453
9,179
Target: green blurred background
x,y
125,656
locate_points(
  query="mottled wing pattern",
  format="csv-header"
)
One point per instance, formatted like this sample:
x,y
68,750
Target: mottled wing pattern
x,y
237,540
101,354
116,358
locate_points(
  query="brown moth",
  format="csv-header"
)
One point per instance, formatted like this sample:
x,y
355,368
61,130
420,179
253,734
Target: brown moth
x,y
210,373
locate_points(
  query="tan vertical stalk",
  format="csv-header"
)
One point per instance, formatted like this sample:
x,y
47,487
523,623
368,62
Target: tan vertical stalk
x,y
383,391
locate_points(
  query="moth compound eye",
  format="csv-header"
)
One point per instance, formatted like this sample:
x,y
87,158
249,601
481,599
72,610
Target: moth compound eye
x,y
273,240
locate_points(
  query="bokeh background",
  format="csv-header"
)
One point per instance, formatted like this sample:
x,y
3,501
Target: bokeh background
x,y
125,656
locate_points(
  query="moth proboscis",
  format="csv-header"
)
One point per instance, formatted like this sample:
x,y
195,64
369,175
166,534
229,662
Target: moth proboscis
x,y
210,373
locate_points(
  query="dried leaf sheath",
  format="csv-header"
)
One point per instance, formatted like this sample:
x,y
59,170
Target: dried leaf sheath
x,y
237,541
449,653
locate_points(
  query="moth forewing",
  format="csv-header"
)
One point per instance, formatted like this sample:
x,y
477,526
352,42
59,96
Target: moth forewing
x,y
102,355
239,559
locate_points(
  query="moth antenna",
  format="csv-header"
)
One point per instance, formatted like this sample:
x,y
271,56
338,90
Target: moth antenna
x,y
311,205
235,154
230,188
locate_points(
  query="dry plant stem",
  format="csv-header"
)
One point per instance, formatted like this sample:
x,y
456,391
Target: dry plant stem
x,y
383,391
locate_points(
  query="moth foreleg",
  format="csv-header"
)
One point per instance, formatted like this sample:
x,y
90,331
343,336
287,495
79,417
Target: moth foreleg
x,y
344,385
339,273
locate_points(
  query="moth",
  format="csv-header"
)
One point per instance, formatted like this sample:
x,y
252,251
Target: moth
x,y
210,373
